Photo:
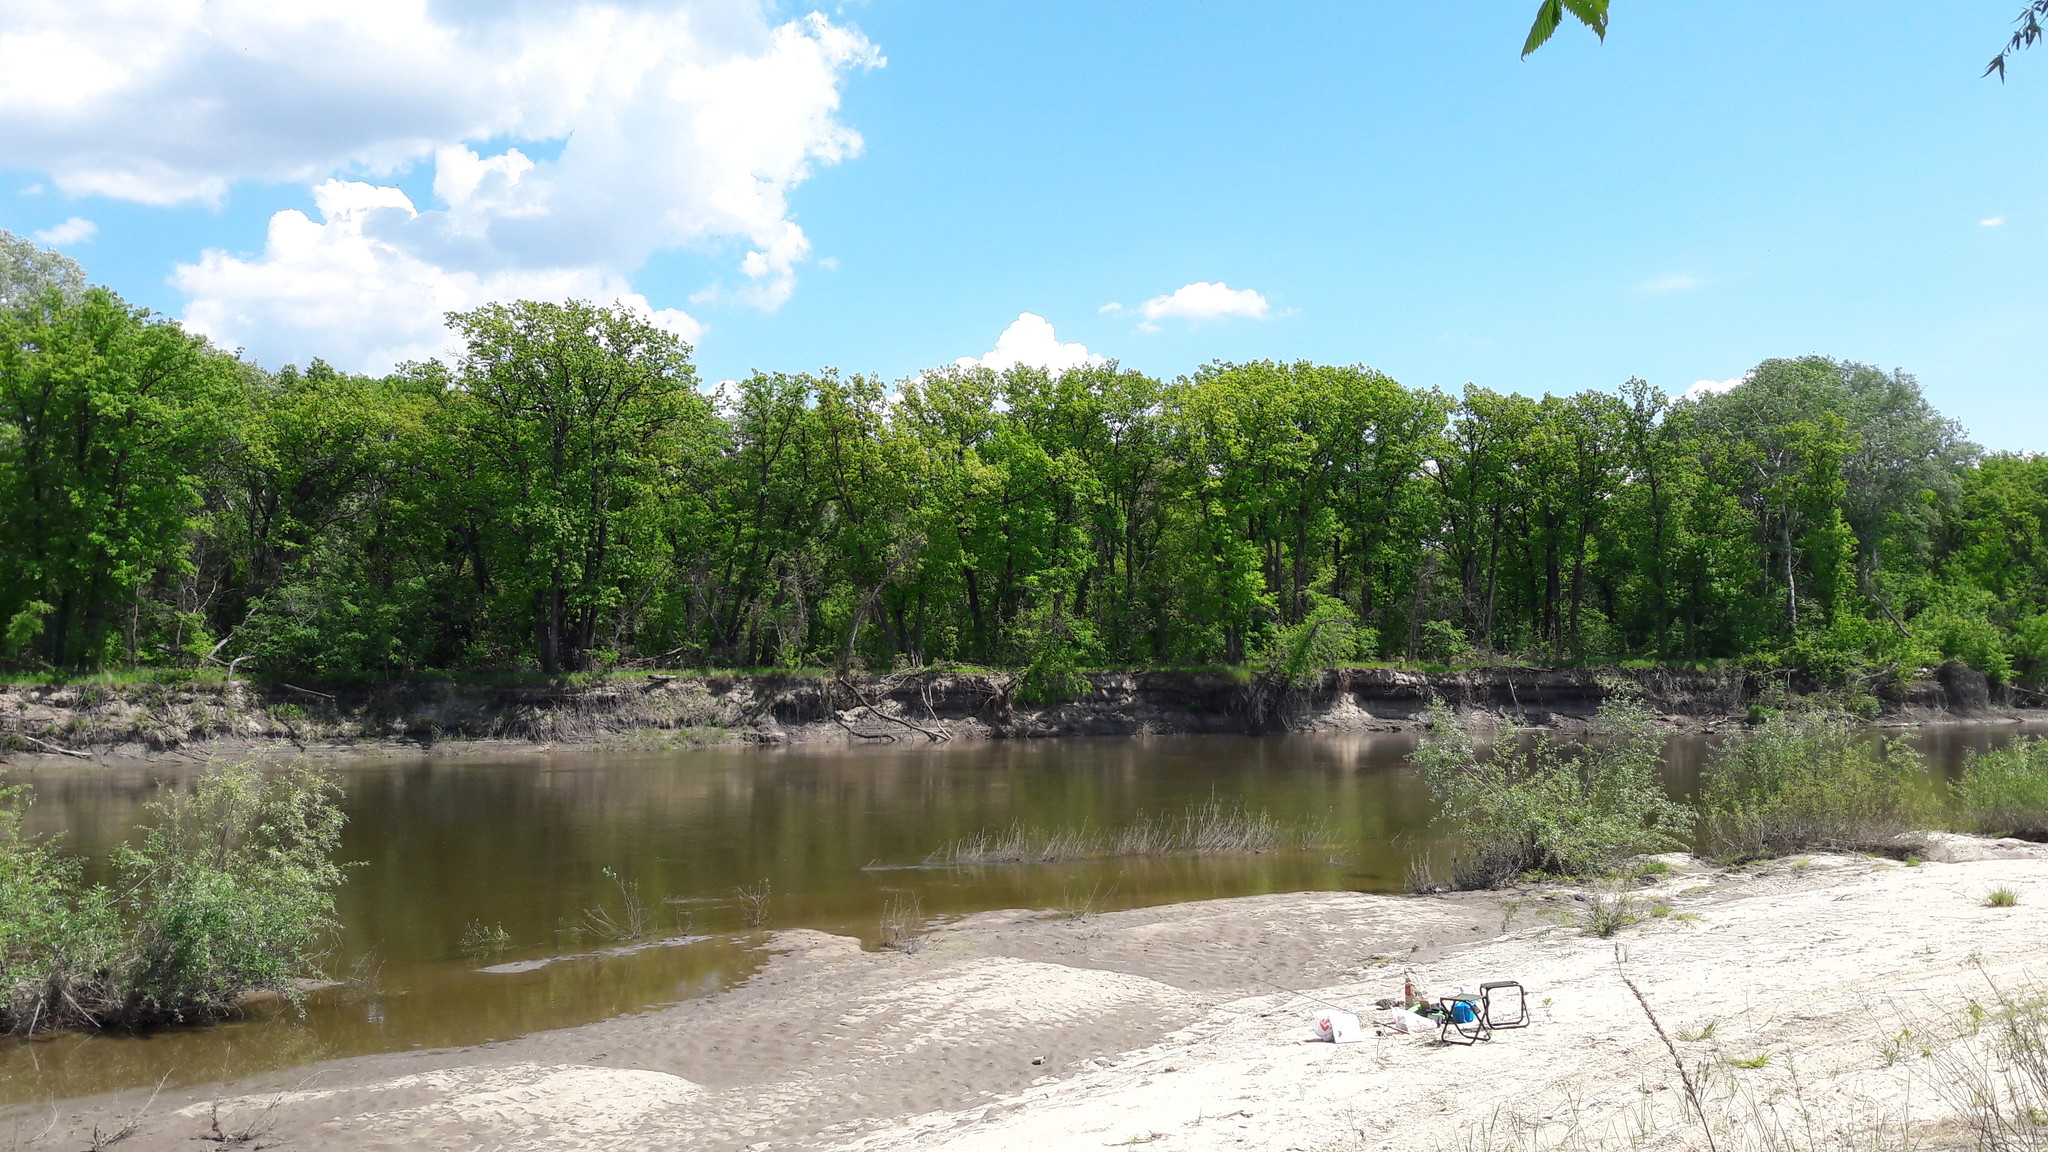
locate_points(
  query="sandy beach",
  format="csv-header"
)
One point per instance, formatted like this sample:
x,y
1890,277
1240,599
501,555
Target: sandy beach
x,y
1186,1027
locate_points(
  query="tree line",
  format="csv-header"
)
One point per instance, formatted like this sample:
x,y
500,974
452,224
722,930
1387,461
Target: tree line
x,y
565,496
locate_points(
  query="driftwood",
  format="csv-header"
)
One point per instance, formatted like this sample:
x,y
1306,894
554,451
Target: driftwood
x,y
49,747
936,736
307,691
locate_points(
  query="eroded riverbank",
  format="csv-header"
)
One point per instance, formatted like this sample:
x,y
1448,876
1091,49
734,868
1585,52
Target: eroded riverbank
x,y
90,719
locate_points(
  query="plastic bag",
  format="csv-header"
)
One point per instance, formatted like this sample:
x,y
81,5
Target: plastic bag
x,y
1410,1022
1337,1027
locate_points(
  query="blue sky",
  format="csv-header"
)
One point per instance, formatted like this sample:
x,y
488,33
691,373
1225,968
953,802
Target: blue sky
x,y
1713,185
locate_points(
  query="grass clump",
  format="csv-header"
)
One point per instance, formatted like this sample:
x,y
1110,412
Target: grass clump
x,y
902,923
1212,828
632,920
1992,1068
1610,912
1703,1032
1569,810
2005,793
230,891
753,900
481,941
1809,780
2002,896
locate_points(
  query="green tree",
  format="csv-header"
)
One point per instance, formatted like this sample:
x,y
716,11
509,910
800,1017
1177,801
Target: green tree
x,y
109,419
576,412
323,543
28,271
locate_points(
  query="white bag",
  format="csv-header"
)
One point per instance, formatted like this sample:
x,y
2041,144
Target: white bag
x,y
1411,1022
1337,1027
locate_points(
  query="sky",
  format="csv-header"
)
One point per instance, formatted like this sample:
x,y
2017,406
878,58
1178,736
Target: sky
x,y
895,185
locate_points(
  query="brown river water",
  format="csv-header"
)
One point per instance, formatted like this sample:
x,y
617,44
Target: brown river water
x,y
834,834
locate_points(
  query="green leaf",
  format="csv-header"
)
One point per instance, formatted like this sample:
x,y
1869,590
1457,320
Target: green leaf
x,y
1549,15
1591,13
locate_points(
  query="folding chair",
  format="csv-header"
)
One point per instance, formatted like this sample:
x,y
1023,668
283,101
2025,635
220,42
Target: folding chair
x,y
1497,1015
1488,1016
1467,1032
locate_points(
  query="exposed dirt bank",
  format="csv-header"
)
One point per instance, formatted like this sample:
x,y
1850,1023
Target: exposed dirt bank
x,y
1785,986
93,718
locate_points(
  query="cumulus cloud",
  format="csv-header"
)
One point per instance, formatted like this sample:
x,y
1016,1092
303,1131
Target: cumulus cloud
x,y
1030,341
340,288
1665,285
1709,387
1200,300
76,230
1991,222
567,143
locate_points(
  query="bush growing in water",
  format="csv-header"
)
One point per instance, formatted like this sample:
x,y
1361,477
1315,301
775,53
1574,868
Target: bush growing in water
x,y
230,891
1809,780
1565,809
2005,793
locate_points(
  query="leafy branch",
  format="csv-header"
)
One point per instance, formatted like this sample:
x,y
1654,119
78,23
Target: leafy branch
x,y
1550,14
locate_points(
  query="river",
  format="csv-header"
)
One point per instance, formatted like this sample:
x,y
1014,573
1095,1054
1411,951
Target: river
x,y
831,836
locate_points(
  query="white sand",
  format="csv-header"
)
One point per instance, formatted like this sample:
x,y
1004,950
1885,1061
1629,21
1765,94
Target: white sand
x,y
1155,1027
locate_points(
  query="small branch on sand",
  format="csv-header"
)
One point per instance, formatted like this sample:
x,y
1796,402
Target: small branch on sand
x,y
1692,1091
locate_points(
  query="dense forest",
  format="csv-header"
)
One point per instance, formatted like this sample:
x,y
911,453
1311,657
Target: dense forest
x,y
567,495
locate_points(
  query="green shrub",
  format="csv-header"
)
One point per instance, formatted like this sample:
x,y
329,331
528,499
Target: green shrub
x,y
2005,793
1565,809
1053,645
1958,625
2030,642
1329,635
1809,780
1445,643
230,891
54,932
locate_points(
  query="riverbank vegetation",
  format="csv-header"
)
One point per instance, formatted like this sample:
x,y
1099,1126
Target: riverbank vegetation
x,y
1811,780
566,495
1808,778
1546,806
228,893
2005,792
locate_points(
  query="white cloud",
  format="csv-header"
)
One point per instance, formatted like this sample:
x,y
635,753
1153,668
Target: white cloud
x,y
1991,221
671,124
1709,387
1665,285
1030,341
76,230
338,288
1200,301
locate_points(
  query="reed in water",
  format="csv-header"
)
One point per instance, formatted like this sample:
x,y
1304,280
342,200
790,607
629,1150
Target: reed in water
x,y
1209,829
